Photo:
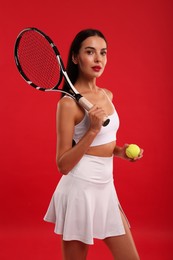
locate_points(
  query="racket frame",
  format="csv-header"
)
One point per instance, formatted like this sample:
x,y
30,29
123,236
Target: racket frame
x,y
74,94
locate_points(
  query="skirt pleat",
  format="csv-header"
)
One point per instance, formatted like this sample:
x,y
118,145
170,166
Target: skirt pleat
x,y
84,208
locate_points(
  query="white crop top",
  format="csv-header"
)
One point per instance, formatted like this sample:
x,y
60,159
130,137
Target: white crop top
x,y
106,135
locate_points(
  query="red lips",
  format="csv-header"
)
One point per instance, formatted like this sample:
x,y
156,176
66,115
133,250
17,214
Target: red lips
x,y
96,68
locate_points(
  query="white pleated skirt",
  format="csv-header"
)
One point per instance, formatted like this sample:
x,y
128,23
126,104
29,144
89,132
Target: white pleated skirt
x,y
85,205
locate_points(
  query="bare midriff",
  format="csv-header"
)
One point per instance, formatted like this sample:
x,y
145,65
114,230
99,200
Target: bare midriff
x,y
105,150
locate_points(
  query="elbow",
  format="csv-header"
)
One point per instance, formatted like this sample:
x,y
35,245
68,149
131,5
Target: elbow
x,y
63,169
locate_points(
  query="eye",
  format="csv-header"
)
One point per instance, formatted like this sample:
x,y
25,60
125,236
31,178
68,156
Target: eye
x,y
103,53
89,52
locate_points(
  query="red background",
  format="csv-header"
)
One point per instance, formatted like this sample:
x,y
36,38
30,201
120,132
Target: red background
x,y
139,72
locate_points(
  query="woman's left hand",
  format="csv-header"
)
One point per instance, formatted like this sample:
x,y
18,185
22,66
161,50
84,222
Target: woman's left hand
x,y
124,156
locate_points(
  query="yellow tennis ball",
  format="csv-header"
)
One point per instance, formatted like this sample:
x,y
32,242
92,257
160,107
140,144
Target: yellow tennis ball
x,y
132,151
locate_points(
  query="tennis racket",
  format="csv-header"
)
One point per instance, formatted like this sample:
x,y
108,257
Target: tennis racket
x,y
40,64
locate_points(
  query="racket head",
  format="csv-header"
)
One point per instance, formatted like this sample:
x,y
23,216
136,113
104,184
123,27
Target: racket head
x,y
38,59
39,63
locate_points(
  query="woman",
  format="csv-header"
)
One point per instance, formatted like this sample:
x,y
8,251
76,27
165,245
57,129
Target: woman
x,y
85,204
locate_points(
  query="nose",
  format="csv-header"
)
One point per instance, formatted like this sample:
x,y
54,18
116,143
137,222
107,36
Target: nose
x,y
97,57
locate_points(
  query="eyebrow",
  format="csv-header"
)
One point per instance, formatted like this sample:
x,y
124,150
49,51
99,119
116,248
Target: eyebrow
x,y
88,47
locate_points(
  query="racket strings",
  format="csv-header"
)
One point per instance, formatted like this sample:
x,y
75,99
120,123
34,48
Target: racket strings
x,y
38,60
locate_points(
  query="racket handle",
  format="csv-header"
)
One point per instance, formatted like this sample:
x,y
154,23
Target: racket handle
x,y
87,105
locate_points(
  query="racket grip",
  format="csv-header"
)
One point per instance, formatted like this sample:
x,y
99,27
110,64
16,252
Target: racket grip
x,y
87,105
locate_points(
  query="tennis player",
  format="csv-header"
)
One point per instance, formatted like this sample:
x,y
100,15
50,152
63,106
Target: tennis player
x,y
85,205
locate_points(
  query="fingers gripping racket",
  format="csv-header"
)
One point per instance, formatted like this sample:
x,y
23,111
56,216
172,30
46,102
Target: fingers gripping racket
x,y
39,62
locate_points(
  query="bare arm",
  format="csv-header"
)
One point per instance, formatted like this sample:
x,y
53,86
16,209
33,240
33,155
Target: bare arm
x,y
67,156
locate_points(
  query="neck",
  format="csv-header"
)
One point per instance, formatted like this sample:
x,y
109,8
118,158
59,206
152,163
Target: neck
x,y
86,85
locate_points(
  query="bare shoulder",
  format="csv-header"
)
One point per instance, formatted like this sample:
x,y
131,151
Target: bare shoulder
x,y
109,93
67,103
68,110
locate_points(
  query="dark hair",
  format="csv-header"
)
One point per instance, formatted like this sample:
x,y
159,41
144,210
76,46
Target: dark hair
x,y
72,69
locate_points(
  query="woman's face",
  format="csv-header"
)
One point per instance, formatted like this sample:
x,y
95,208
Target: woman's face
x,y
92,57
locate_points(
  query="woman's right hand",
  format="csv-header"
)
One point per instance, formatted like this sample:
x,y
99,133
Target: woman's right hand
x,y
96,115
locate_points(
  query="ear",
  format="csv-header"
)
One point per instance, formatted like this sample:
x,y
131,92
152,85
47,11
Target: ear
x,y
74,59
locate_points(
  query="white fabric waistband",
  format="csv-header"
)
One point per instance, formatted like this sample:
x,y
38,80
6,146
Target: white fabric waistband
x,y
94,169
